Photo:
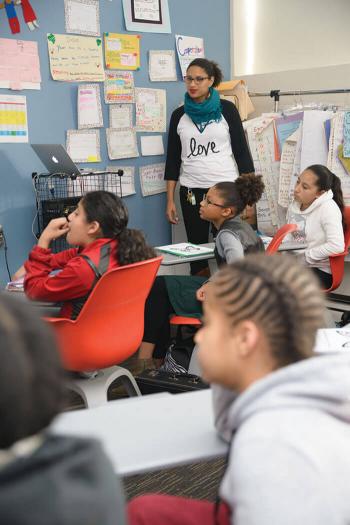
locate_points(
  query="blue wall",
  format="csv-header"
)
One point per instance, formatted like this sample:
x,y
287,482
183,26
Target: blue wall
x,y
52,110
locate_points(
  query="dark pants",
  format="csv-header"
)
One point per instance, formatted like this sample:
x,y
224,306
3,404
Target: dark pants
x,y
157,509
325,278
157,311
197,229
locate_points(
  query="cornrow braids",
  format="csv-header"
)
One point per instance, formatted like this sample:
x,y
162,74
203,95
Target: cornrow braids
x,y
282,297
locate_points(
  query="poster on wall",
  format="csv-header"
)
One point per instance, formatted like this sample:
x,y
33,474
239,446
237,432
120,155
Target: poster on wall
x,y
122,51
84,145
75,58
188,48
120,116
127,180
82,17
13,118
19,64
150,109
121,143
119,87
162,66
147,16
89,106
152,179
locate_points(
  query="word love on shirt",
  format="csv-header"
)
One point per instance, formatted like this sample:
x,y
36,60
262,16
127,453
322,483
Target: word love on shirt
x,y
197,150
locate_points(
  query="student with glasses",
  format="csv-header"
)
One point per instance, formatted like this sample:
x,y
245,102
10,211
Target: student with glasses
x,y
206,145
184,294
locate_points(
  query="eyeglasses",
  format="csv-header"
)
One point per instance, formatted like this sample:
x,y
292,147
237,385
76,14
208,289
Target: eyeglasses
x,y
196,80
208,201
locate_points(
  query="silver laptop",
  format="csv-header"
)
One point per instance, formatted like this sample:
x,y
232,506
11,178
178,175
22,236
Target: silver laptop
x,y
56,159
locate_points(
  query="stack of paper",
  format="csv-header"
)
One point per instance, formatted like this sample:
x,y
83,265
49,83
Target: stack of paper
x,y
185,249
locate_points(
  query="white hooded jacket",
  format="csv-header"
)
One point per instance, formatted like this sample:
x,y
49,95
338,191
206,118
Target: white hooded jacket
x,y
290,454
322,224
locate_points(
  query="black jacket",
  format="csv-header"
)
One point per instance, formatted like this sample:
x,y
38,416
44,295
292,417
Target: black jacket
x,y
66,481
239,144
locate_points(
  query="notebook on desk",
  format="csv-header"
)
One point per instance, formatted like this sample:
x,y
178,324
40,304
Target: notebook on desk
x,y
186,249
56,160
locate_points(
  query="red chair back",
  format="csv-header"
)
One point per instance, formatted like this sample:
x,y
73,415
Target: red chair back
x,y
109,327
337,261
279,236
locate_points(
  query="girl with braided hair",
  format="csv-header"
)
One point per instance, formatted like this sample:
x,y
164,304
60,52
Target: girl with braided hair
x,y
98,229
318,210
285,410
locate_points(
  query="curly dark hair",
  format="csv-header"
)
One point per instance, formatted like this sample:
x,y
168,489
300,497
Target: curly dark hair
x,y
245,190
110,212
211,68
31,376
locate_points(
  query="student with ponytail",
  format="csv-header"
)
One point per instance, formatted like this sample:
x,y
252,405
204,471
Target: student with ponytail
x,y
183,294
318,210
98,229
206,145
284,410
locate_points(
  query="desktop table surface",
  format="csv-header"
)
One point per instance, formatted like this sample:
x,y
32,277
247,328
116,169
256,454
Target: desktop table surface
x,y
151,432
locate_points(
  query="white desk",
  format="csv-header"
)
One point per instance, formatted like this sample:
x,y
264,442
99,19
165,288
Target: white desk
x,y
150,432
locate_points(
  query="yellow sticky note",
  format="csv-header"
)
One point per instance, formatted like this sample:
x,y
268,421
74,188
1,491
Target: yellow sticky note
x,y
92,158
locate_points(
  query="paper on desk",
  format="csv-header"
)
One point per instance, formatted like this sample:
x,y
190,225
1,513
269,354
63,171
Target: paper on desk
x,y
314,147
75,58
185,249
19,64
150,109
119,87
13,118
329,340
84,145
112,180
121,143
89,106
120,116
162,66
82,17
152,179
152,145
15,286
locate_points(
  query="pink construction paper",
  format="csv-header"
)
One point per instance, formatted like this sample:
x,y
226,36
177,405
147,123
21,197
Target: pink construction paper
x,y
19,62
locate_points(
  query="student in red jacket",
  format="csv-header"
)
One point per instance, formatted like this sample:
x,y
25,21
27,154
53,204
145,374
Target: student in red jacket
x,y
98,229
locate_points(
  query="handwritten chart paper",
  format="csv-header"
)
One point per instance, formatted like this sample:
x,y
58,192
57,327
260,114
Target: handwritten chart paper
x,y
150,109
89,106
162,66
112,183
285,126
82,17
19,64
13,119
152,179
147,16
288,155
121,143
152,145
119,87
188,48
122,51
84,145
75,58
346,133
120,116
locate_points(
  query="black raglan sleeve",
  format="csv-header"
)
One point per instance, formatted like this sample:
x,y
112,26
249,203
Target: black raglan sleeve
x,y
173,156
240,148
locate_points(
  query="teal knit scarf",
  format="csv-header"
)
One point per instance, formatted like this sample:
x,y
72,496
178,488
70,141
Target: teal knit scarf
x,y
204,113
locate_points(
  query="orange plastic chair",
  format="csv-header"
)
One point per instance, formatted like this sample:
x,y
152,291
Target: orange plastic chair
x,y
108,330
337,261
279,236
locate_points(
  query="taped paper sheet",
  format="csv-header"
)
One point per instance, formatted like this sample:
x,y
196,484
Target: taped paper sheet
x,y
150,109
152,145
112,181
89,106
152,179
84,145
82,17
121,143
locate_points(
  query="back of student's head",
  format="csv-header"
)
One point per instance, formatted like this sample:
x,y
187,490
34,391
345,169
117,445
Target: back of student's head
x,y
31,376
280,296
326,180
112,215
246,190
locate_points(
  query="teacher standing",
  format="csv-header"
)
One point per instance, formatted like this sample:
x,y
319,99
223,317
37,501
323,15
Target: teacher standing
x,y
206,145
